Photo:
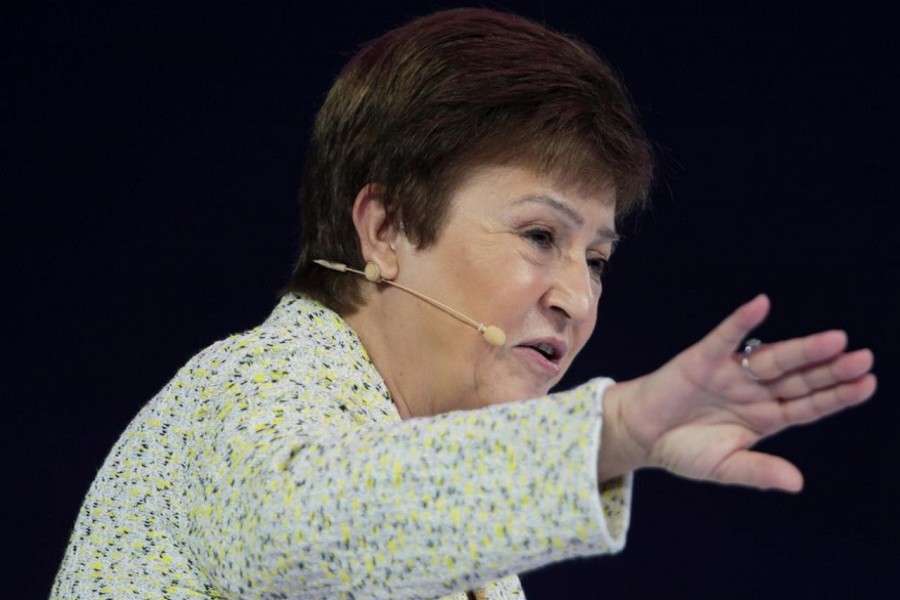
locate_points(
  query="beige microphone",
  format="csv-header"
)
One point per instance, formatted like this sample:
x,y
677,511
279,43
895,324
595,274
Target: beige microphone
x,y
492,334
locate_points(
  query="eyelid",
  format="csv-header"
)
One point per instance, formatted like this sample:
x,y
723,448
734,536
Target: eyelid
x,y
603,258
553,242
544,230
604,265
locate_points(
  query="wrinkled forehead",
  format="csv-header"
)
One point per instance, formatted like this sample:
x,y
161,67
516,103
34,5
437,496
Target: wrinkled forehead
x,y
502,191
571,183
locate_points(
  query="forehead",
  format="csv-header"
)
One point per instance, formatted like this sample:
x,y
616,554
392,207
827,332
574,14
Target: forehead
x,y
506,188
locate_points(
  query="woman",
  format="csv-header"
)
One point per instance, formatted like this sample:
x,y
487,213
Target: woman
x,y
364,442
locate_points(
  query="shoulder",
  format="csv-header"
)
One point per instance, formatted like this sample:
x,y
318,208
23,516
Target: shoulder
x,y
303,355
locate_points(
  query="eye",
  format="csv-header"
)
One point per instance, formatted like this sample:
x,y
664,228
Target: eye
x,y
598,265
540,237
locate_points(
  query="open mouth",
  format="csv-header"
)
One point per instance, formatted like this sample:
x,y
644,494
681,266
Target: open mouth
x,y
545,354
548,351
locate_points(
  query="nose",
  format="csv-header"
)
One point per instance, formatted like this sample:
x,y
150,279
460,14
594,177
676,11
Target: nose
x,y
573,292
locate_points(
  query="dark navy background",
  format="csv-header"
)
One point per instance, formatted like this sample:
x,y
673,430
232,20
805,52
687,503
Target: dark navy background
x,y
150,163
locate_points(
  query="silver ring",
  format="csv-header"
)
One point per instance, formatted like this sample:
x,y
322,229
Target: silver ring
x,y
749,346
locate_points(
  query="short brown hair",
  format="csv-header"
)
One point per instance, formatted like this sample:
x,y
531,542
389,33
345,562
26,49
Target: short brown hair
x,y
423,105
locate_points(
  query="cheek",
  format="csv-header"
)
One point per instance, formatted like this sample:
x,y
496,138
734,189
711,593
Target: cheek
x,y
520,283
499,381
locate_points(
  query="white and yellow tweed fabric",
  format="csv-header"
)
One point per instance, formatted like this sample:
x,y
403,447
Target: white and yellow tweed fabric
x,y
275,465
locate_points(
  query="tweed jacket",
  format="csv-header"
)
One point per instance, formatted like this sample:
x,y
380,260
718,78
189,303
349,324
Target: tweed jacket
x,y
275,465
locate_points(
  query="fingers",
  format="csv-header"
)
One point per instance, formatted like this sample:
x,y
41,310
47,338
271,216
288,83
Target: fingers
x,y
727,335
773,361
799,383
829,401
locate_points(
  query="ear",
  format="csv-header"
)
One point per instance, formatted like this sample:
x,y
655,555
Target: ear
x,y
377,234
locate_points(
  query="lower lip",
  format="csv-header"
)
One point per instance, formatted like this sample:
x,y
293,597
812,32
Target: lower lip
x,y
538,360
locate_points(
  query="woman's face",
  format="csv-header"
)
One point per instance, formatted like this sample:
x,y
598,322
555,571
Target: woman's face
x,y
516,251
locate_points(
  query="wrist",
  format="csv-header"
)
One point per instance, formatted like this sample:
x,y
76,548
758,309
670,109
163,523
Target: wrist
x,y
619,452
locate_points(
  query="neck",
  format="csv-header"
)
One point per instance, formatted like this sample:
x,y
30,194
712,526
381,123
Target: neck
x,y
396,369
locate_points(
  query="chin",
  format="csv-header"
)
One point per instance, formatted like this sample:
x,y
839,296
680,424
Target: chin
x,y
520,391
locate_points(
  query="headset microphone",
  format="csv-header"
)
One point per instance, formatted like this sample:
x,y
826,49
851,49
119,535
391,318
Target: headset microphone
x,y
492,334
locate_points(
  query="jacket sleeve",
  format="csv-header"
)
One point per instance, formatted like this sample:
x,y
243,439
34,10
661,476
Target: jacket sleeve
x,y
418,508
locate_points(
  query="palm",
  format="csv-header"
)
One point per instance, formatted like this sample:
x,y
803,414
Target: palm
x,y
698,415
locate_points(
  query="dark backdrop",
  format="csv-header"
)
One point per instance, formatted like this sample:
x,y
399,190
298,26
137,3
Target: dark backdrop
x,y
150,161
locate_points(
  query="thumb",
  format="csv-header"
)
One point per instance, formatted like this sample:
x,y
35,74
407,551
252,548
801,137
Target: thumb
x,y
759,470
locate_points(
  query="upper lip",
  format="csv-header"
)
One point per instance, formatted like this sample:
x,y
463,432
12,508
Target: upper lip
x,y
557,346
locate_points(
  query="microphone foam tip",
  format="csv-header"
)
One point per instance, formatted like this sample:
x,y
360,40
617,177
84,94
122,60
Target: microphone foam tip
x,y
494,335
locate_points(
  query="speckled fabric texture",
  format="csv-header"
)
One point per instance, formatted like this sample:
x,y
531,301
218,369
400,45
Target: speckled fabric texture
x,y
275,465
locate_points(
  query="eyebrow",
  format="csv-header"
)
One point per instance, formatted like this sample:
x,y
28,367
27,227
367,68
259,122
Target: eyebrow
x,y
604,233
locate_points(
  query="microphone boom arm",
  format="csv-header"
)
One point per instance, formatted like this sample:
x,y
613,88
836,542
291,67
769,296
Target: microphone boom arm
x,y
491,333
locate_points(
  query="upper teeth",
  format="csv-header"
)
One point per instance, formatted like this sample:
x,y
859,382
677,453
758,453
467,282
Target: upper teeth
x,y
546,349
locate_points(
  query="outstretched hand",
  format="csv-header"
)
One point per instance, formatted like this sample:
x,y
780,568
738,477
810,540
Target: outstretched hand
x,y
699,415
